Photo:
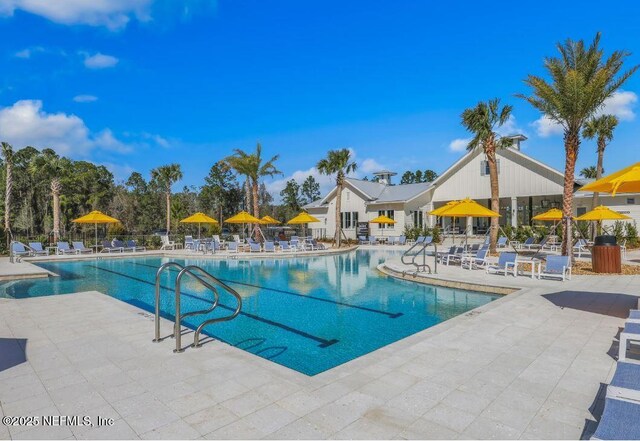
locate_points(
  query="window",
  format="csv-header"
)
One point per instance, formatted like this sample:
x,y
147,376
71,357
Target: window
x,y
631,201
390,214
484,167
348,195
349,219
417,217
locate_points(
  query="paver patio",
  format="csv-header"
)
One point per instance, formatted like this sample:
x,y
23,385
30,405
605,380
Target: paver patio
x,y
529,365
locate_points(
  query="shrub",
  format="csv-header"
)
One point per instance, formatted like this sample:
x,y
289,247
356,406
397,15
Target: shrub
x,y
618,231
154,242
631,234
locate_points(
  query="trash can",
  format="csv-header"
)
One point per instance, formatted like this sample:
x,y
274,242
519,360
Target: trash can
x,y
605,255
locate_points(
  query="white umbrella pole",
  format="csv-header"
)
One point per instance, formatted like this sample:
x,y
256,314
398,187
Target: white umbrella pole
x,y
96,229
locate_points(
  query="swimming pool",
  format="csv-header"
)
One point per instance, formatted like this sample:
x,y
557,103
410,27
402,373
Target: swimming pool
x,y
307,313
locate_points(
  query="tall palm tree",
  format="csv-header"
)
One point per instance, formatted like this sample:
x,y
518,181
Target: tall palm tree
x,y
337,162
7,154
482,121
253,167
601,128
589,172
166,176
580,83
49,164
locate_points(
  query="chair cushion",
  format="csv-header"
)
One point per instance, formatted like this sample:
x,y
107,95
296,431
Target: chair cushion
x,y
619,420
634,314
631,328
627,376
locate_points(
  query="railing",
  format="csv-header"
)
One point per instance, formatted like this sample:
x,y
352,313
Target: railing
x,y
210,283
420,249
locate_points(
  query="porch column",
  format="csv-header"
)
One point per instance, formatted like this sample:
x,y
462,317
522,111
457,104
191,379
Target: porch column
x,y
514,212
430,220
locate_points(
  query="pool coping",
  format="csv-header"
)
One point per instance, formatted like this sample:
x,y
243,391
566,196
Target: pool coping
x,y
425,279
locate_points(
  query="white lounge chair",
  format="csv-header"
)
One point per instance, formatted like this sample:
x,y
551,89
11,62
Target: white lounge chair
x,y
479,260
580,247
506,264
556,267
167,244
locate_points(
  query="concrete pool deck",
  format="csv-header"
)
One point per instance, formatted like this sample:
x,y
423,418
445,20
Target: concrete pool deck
x,y
528,365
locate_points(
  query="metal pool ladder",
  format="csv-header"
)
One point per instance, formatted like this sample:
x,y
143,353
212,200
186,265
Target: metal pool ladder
x,y
421,249
208,281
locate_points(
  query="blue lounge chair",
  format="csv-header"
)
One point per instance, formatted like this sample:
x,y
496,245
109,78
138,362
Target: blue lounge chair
x,y
20,249
580,247
188,243
479,260
528,243
80,248
619,420
294,243
392,240
506,263
402,240
625,383
232,247
254,247
372,240
120,244
420,239
269,246
362,240
315,245
556,267
284,246
502,242
133,244
107,247
37,249
64,248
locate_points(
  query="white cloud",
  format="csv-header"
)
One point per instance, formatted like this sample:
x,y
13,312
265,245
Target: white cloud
x,y
85,98
620,104
28,52
114,14
26,123
370,166
459,144
326,182
99,61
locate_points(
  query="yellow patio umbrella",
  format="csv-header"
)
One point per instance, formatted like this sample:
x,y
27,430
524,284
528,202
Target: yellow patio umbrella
x,y
602,213
553,215
466,208
626,180
444,208
199,218
383,220
268,220
243,218
96,217
302,219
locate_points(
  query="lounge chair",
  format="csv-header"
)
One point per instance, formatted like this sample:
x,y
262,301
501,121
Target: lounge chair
x,y
189,243
479,260
506,263
623,249
402,240
120,244
502,242
362,240
132,244
315,245
64,248
391,240
295,244
372,240
80,248
269,246
216,238
254,247
167,244
619,420
20,249
631,332
285,247
444,256
107,247
556,267
36,248
528,243
232,247
580,247
625,383
236,239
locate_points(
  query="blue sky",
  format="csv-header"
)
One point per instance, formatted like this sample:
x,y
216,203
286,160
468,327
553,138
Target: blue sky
x,y
134,84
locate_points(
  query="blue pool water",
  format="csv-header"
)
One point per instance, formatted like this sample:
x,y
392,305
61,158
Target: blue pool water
x,y
309,313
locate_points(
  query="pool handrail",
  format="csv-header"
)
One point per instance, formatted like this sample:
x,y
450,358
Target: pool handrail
x,y
421,249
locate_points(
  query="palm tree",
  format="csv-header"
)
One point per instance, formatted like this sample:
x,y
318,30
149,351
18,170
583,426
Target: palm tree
x,y
338,162
602,128
482,121
580,83
252,166
166,176
49,164
589,172
7,154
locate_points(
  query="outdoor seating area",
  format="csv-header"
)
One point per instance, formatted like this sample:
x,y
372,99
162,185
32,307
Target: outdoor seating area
x,y
213,245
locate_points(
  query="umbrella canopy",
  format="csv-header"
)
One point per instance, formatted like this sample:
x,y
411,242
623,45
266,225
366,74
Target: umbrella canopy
x,y
303,218
199,218
96,217
444,208
382,220
602,213
467,208
554,215
268,220
626,180
243,218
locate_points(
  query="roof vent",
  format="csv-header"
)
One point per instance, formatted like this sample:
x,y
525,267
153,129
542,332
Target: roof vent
x,y
517,139
384,176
